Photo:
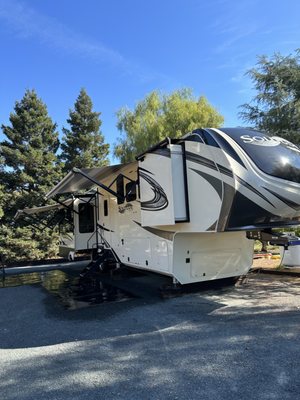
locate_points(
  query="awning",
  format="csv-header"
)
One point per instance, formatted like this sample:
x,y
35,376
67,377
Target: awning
x,y
38,210
75,182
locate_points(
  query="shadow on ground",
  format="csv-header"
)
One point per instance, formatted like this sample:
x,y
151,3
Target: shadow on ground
x,y
227,343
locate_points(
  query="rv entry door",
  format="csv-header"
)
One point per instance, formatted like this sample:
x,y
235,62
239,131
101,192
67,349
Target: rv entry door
x,y
85,224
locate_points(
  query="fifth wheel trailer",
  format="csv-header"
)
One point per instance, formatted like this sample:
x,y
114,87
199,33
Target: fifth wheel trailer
x,y
189,207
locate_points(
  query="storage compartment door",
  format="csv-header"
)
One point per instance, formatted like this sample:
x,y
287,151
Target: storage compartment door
x,y
156,189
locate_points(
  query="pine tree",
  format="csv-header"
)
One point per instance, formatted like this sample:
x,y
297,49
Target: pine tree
x,y
1,188
31,169
83,144
276,106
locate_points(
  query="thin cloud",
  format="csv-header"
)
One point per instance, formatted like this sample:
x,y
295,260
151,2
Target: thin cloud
x,y
27,23
233,25
243,82
236,37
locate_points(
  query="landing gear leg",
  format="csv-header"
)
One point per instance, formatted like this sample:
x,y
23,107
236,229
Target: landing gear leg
x,y
241,280
173,290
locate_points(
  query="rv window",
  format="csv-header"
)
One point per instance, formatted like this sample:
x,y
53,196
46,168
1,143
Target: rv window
x,y
194,137
86,218
130,191
227,147
105,208
206,137
273,155
120,189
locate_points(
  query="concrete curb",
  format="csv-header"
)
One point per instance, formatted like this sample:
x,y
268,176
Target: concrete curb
x,y
45,267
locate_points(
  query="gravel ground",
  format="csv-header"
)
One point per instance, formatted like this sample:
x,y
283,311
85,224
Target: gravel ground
x,y
219,343
265,263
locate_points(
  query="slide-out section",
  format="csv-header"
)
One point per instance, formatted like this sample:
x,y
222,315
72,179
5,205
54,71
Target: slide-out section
x,y
163,186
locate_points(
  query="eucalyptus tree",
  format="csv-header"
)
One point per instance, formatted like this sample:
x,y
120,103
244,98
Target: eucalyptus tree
x,y
160,115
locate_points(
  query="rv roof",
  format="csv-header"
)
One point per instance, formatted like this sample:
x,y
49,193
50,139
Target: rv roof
x,y
74,182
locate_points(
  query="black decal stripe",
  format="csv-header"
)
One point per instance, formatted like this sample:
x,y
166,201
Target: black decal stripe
x,y
105,229
244,212
225,171
248,186
208,163
145,170
168,235
229,173
286,201
214,182
228,198
159,201
200,160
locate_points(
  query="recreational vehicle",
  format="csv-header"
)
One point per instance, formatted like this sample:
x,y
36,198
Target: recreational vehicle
x,y
189,207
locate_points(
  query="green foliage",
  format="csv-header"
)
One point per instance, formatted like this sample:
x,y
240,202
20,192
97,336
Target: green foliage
x,y
158,116
2,188
295,230
31,169
24,243
276,107
29,151
1,201
83,144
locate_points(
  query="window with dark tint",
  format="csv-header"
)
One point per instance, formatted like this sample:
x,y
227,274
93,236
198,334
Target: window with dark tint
x,y
201,136
86,218
194,137
211,138
206,137
105,208
226,146
120,189
130,191
273,155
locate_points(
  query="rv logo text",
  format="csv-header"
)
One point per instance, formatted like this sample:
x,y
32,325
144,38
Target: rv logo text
x,y
260,140
269,141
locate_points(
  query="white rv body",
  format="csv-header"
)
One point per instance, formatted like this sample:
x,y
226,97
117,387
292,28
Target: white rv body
x,y
183,250
185,206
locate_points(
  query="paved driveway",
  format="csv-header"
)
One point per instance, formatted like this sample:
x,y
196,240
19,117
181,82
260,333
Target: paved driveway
x,y
225,343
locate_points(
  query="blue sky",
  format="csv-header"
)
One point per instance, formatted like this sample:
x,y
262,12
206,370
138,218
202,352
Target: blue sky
x,y
120,50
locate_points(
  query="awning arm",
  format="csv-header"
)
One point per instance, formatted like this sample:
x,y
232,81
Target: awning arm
x,y
124,176
104,187
33,220
43,209
36,219
66,206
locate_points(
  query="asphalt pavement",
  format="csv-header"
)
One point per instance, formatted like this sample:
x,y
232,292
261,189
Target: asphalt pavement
x,y
217,343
